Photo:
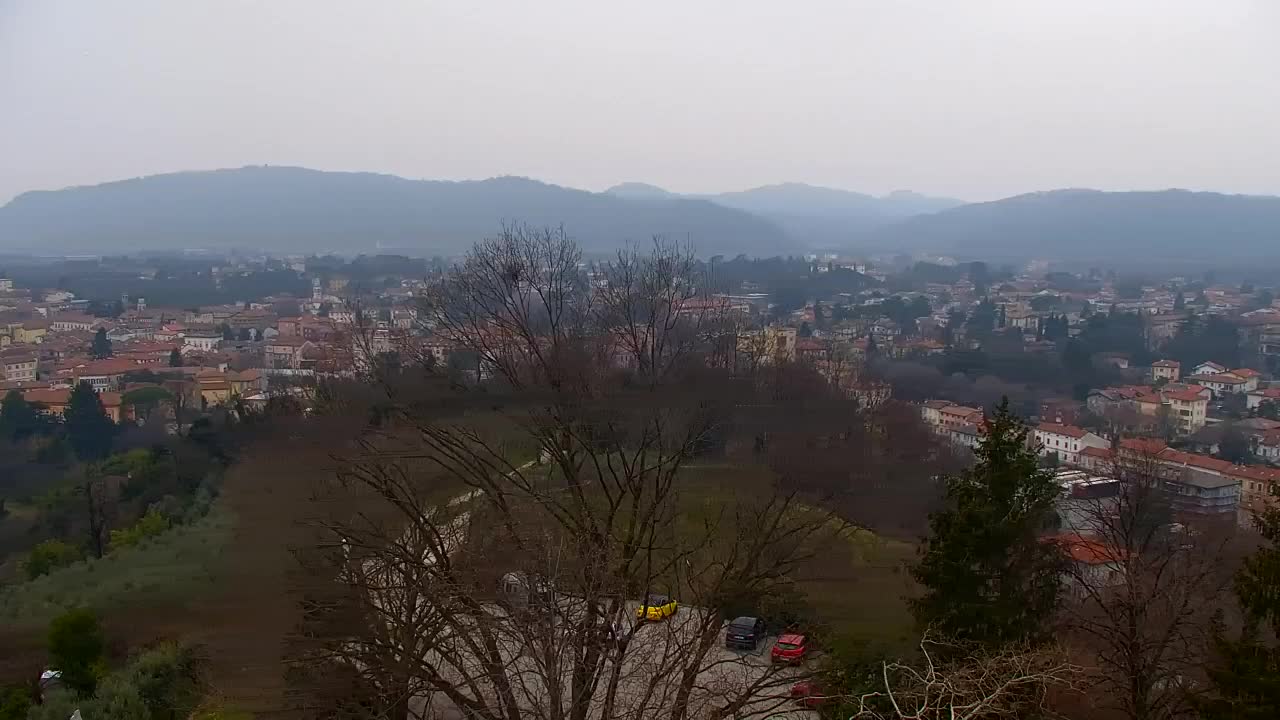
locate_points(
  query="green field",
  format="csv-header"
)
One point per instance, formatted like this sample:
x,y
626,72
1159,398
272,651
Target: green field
x,y
181,563
856,585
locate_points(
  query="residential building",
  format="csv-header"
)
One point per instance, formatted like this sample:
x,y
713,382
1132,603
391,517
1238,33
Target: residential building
x,y
1208,368
1258,484
31,332
1187,409
1260,333
104,375
1228,383
19,366
1202,493
286,352
1066,441
201,342
968,435
65,322
954,416
1256,397
930,412
1166,370
767,345
1064,411
1095,565
55,401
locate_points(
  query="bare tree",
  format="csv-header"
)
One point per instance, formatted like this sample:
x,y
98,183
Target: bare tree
x,y
101,495
1012,683
1143,590
496,549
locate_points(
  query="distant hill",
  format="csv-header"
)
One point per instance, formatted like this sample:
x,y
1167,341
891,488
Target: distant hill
x,y
1095,226
813,216
294,209
642,191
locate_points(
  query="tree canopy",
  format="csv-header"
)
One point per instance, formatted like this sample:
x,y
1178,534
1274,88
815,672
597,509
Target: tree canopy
x,y
89,429
989,578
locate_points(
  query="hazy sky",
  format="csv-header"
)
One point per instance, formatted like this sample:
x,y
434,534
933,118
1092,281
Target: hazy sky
x,y
972,98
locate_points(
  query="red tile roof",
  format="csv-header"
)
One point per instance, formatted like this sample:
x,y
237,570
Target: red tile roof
x,y
1143,445
63,396
1067,430
1087,550
1221,378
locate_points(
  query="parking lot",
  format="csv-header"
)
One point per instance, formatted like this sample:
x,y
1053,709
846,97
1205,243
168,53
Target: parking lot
x,y
644,678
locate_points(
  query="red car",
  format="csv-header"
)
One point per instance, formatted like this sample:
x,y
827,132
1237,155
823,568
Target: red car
x,y
808,694
790,648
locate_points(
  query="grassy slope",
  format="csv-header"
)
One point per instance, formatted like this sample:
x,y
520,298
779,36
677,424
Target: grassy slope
x,y
857,587
179,564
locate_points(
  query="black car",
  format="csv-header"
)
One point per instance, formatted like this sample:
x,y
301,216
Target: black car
x,y
744,633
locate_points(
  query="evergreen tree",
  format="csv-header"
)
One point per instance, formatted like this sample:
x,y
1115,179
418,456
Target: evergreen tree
x,y
76,649
175,358
101,345
88,427
1268,409
1246,681
18,419
989,578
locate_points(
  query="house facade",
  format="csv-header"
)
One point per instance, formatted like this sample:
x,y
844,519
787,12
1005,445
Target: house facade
x,y
1066,441
1166,370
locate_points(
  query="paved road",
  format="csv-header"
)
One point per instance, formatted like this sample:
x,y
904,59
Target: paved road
x,y
650,665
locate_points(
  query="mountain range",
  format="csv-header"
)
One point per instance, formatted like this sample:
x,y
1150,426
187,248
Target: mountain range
x,y
1166,227
294,209
810,215
287,209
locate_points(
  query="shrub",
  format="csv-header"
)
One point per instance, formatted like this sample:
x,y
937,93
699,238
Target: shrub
x,y
15,702
118,699
167,679
57,705
50,555
76,647
149,525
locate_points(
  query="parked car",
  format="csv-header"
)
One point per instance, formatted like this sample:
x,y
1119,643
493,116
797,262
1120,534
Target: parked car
x,y
528,592
656,607
790,648
744,633
808,694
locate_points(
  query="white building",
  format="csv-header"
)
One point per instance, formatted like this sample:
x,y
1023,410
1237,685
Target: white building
x,y
1066,441
203,343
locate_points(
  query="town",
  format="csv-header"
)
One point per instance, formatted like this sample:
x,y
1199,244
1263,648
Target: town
x,y
124,385
1091,359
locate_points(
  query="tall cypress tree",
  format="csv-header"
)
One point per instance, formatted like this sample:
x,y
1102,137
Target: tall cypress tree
x,y
988,577
1246,680
101,345
88,427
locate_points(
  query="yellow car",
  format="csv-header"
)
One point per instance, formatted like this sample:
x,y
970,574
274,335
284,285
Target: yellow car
x,y
656,607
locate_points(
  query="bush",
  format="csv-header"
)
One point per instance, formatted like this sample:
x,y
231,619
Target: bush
x,y
15,702
76,647
57,705
50,555
118,699
148,526
167,680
